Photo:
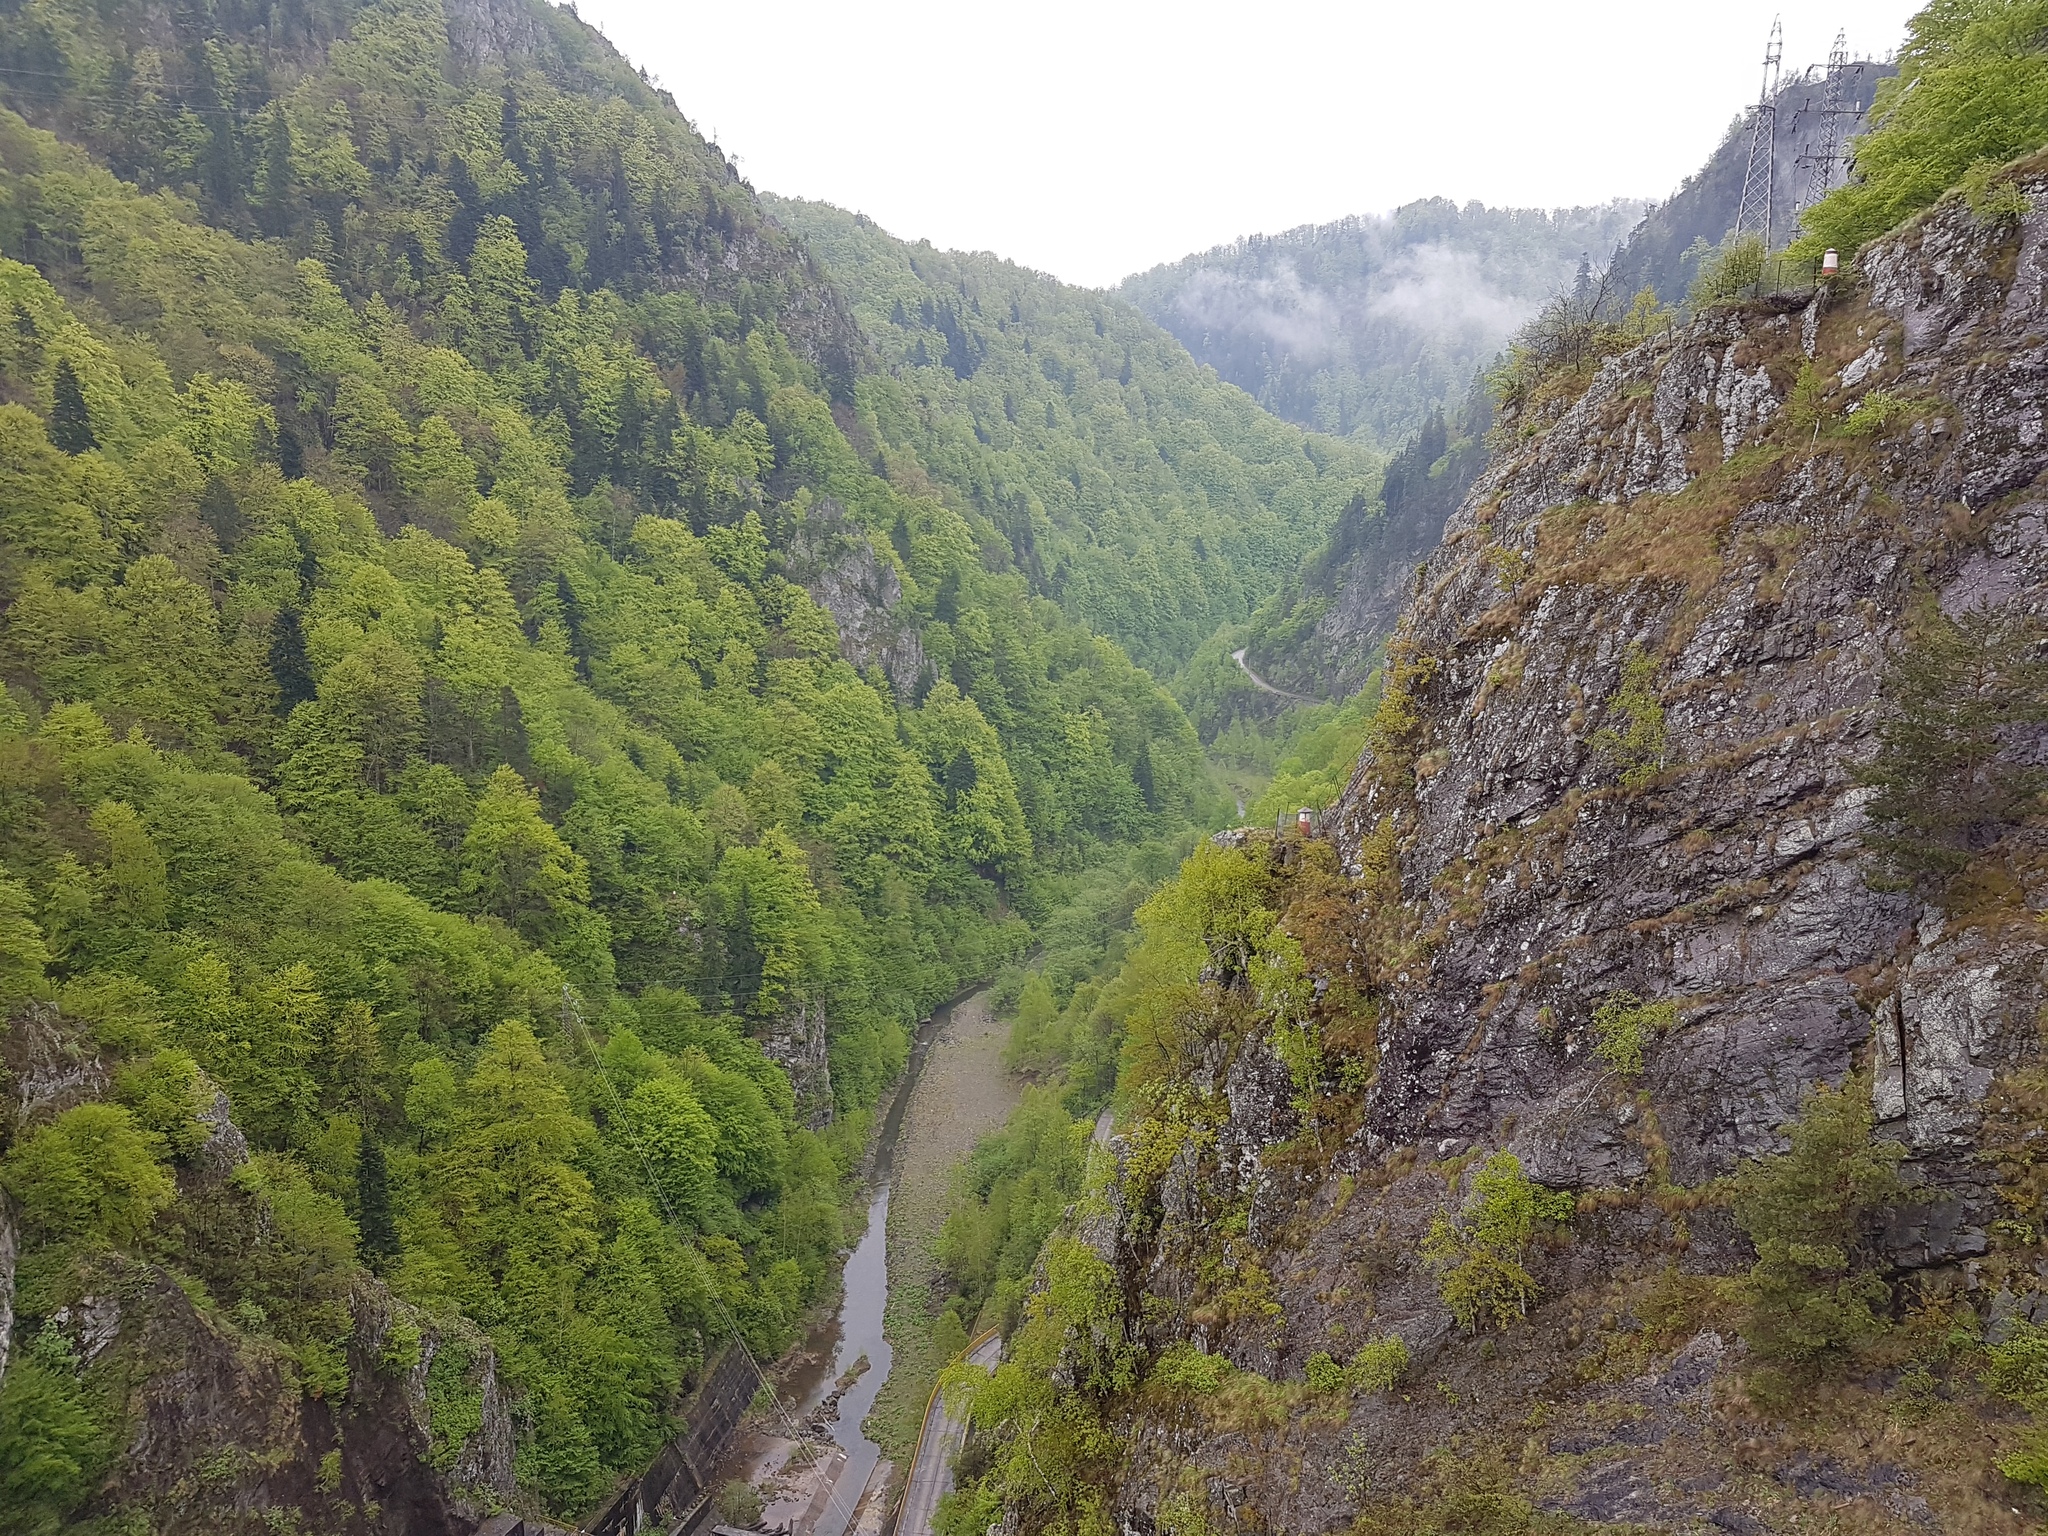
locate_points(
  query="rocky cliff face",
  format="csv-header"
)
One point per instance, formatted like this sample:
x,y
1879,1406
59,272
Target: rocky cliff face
x,y
1663,514
222,1434
219,1426
1679,532
795,1041
862,592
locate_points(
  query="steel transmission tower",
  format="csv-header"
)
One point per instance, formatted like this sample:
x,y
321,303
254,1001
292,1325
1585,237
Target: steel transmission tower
x,y
1759,182
1822,173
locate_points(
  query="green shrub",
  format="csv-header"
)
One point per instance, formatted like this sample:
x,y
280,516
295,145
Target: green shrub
x,y
1478,1255
2029,1464
52,1444
1324,1373
1186,1368
1875,413
1638,748
949,1335
739,1504
323,1369
1803,404
2018,1368
455,1407
1726,271
1379,1364
1807,1294
399,1354
1625,1025
1946,785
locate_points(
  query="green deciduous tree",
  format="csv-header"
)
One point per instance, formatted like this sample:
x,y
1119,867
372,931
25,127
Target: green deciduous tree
x,y
1971,90
92,1172
668,1128
1478,1253
517,867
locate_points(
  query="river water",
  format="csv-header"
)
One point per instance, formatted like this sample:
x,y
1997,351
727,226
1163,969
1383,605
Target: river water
x,y
865,1293
860,1333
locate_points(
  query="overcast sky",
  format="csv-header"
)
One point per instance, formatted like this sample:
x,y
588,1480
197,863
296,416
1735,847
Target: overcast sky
x,y
1094,138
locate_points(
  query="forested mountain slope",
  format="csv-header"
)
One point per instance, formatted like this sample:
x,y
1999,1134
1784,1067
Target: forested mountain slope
x,y
450,642
1154,502
1360,328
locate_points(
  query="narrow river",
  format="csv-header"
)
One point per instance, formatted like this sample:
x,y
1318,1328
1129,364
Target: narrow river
x,y
860,1333
954,1091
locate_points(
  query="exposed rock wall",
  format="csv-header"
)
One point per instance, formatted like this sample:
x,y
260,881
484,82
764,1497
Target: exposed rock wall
x,y
219,1428
221,1434
796,1042
862,591
1659,514
1669,511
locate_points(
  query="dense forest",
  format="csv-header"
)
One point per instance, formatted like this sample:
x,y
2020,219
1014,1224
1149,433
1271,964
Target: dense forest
x,y
528,669
427,740
1153,501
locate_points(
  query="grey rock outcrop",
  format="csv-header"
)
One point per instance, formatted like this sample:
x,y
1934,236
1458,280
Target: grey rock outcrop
x,y
796,1042
838,566
1672,516
1732,885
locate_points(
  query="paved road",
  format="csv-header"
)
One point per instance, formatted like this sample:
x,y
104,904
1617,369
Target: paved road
x,y
1263,686
931,1474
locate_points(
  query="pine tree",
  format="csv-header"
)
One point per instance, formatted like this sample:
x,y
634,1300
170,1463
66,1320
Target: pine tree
x,y
288,665
1948,779
277,176
468,217
70,420
291,456
373,1202
220,512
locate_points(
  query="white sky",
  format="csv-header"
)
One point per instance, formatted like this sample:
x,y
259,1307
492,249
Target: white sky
x,y
1094,138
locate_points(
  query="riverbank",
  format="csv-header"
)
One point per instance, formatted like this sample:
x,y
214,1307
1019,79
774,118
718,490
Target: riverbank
x,y
962,1095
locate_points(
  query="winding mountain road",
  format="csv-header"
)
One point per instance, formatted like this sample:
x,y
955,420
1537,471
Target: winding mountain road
x,y
1263,686
945,1431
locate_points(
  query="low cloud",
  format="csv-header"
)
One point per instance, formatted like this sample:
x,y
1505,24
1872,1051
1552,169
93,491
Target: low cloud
x,y
1434,291
1442,291
1303,322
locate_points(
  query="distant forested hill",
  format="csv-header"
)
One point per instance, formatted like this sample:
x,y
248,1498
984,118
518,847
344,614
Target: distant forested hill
x,y
1362,327
461,620
1152,500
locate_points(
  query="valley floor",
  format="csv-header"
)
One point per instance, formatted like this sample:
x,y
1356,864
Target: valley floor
x,y
963,1094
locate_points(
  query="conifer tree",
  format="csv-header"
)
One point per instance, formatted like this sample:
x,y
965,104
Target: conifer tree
x,y
373,1201
1948,772
70,421
277,175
